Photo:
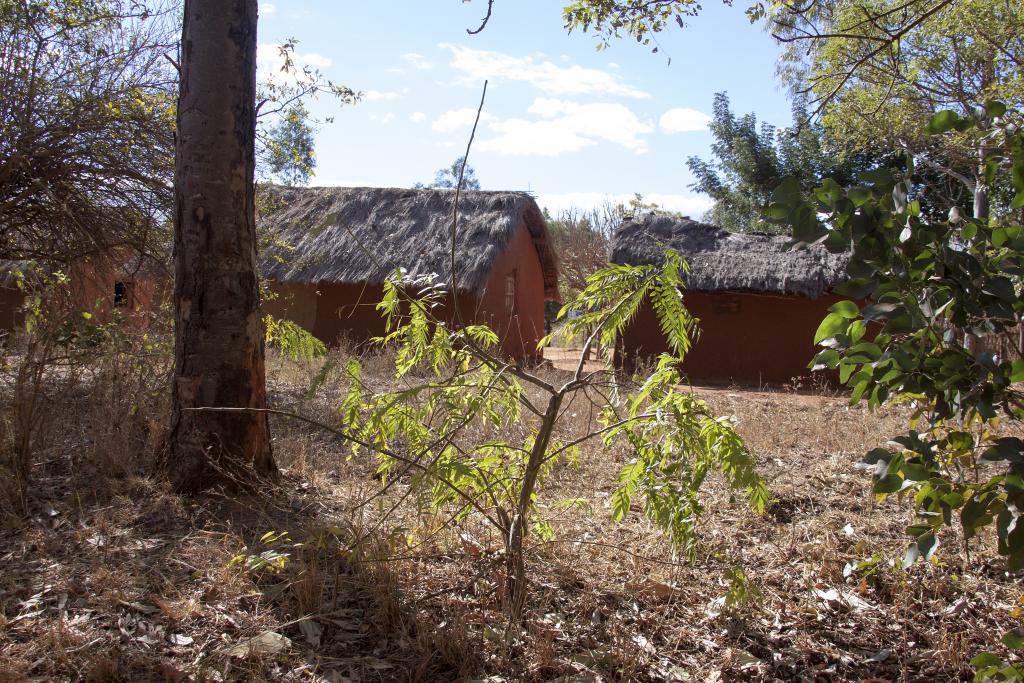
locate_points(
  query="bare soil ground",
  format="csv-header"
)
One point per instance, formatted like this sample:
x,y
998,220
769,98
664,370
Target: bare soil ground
x,y
114,578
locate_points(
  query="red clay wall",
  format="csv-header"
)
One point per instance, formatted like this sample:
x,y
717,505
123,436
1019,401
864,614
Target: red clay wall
x,y
295,302
521,328
749,339
334,311
91,289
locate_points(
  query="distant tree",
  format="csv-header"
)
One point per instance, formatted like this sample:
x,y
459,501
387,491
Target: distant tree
x,y
750,162
448,178
580,238
288,148
285,133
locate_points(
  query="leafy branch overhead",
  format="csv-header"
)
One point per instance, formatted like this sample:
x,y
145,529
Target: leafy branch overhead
x,y
922,293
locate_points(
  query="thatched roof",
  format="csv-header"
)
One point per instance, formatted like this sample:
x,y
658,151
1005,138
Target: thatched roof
x,y
725,261
361,234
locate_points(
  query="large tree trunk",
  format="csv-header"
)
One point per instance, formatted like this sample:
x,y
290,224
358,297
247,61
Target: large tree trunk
x,y
218,350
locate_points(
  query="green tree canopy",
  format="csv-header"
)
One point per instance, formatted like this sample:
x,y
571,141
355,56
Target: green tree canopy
x,y
879,82
447,178
287,150
751,160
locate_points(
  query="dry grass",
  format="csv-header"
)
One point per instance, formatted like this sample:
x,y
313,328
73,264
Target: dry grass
x,y
113,577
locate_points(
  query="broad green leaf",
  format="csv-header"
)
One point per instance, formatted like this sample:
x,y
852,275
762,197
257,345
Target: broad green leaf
x,y
942,122
1017,371
846,309
1013,639
986,660
994,109
777,212
833,324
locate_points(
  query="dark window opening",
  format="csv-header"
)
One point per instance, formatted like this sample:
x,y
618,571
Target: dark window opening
x,y
121,297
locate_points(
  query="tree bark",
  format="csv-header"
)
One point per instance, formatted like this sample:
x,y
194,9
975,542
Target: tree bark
x,y
218,350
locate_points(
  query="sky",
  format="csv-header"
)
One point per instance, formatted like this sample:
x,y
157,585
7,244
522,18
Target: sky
x,y
571,124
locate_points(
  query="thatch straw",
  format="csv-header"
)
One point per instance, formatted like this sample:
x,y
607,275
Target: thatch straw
x,y
725,261
361,234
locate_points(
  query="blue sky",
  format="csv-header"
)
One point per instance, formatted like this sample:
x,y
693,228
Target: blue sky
x,y
571,124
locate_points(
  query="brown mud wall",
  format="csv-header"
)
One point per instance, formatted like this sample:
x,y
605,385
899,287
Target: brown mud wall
x,y
747,339
346,313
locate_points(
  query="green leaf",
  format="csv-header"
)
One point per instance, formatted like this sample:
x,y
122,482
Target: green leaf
x,y
846,309
833,324
845,371
880,311
942,122
889,483
960,441
1013,639
986,660
916,472
777,212
1017,371
864,352
999,237
1005,449
826,360
788,192
994,109
859,195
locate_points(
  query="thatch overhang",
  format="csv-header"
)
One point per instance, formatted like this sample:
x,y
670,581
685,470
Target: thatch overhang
x,y
723,261
357,235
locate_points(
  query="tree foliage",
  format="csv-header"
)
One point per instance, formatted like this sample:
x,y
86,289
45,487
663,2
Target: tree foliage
x,y
285,134
750,161
288,148
86,126
879,70
448,177
87,105
636,19
925,285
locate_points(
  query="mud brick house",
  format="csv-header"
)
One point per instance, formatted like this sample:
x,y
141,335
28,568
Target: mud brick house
x,y
758,301
337,246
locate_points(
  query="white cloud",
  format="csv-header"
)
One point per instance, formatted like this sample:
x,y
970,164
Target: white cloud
x,y
566,126
269,62
418,61
684,120
377,95
388,118
267,8
688,205
417,117
474,66
457,119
